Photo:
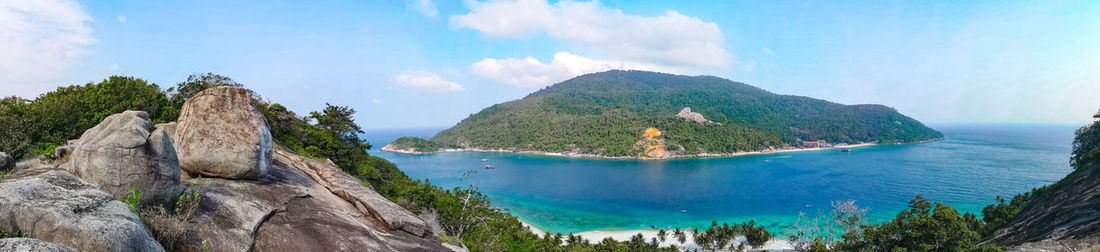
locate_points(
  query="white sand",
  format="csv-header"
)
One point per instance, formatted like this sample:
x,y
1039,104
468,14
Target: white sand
x,y
596,236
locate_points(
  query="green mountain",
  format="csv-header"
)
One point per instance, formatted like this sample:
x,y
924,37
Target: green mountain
x,y
608,113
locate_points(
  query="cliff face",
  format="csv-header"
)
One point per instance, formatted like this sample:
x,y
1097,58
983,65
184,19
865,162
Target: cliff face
x,y
1067,217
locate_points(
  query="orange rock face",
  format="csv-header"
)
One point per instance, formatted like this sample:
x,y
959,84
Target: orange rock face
x,y
651,145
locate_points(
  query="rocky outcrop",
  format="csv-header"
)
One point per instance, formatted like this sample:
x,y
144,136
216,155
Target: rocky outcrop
x,y
380,210
56,206
125,151
6,162
652,146
694,116
31,244
220,134
1068,216
290,210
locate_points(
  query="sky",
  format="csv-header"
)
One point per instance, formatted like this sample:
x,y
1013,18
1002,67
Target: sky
x,y
431,63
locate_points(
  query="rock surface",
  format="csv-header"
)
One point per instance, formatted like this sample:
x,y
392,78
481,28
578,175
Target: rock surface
x,y
694,116
54,205
288,210
6,162
220,134
125,151
652,146
1067,217
31,244
380,210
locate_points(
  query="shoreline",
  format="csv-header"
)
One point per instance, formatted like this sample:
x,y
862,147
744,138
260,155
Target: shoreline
x,y
390,148
595,236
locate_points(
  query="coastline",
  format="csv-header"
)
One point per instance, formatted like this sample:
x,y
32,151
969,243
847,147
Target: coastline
x,y
595,236
390,148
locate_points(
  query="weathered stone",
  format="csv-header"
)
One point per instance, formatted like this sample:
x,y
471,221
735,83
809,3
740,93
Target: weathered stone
x,y
378,208
126,152
6,162
31,244
287,210
220,134
1067,216
694,116
56,206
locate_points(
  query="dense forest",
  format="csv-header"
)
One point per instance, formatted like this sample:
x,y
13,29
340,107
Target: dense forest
x,y
417,144
605,113
31,127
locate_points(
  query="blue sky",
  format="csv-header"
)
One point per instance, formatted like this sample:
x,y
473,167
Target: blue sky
x,y
429,63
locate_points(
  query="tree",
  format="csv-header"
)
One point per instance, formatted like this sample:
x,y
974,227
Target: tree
x,y
925,226
680,236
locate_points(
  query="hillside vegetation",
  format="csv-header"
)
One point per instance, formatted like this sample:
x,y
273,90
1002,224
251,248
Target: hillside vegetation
x,y
606,113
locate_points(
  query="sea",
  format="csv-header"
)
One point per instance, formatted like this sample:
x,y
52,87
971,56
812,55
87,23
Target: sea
x,y
967,170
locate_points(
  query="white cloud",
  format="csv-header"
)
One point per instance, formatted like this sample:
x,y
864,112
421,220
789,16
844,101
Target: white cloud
x,y
121,18
531,73
425,7
39,39
113,68
377,101
427,81
669,39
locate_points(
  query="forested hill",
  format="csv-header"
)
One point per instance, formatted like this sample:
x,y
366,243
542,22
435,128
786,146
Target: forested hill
x,y
607,114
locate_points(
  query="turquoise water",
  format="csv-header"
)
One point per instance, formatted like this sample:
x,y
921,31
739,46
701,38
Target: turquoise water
x,y
974,164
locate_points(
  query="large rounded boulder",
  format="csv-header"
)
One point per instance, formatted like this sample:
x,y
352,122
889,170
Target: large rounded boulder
x,y
126,152
220,134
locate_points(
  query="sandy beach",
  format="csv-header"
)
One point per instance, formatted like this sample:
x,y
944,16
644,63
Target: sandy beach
x,y
595,236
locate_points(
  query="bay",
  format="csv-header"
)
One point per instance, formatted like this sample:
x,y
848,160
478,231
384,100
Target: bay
x,y
975,163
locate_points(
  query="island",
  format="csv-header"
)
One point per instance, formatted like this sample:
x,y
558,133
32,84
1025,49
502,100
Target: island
x,y
649,115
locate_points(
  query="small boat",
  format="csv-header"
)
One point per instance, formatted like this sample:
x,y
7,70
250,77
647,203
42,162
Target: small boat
x,y
484,160
845,150
683,210
765,160
652,226
489,167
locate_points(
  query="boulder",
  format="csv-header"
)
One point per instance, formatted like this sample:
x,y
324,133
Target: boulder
x,y
125,151
31,244
6,162
287,210
220,134
686,114
54,205
380,210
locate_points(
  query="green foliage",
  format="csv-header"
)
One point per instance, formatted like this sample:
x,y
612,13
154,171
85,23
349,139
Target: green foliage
x,y
15,234
187,203
920,228
418,144
1086,145
33,127
605,113
133,199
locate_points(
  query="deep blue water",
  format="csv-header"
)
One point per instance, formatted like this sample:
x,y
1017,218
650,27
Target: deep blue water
x,y
974,164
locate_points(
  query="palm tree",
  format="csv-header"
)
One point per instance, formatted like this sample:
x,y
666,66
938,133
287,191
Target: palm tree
x,y
679,235
661,235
